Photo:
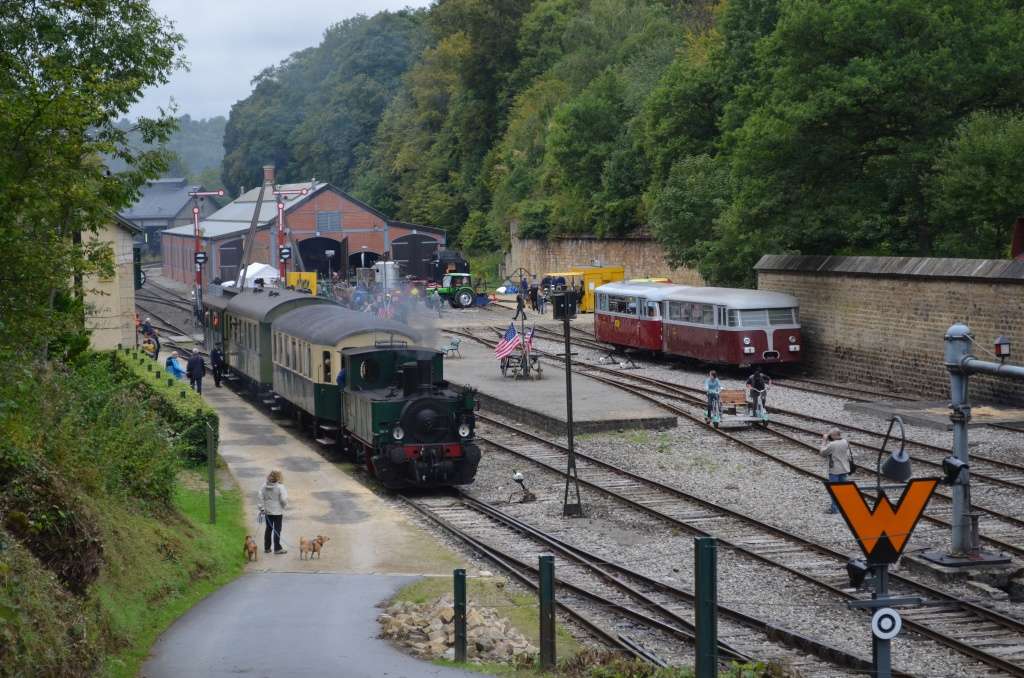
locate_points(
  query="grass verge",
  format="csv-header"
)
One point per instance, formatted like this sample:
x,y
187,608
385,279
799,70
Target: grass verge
x,y
174,565
519,608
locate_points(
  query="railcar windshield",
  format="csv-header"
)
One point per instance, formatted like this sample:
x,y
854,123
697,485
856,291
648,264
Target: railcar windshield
x,y
763,317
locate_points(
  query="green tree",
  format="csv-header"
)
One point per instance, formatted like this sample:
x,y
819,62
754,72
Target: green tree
x,y
974,193
68,71
856,100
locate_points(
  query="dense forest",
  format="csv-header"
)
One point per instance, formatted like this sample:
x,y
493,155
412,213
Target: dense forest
x,y
726,128
196,148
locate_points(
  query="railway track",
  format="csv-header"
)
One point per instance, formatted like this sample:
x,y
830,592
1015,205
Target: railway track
x,y
952,622
798,451
625,598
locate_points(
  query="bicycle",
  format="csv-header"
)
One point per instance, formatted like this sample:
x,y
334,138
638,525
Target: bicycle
x,y
714,411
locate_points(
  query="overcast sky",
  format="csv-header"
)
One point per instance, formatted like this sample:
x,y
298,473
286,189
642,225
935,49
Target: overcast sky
x,y
230,41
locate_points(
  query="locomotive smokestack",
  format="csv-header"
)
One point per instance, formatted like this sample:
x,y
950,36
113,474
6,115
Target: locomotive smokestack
x,y
1017,246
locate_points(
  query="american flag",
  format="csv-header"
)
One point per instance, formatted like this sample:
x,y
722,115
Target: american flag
x,y
508,343
528,340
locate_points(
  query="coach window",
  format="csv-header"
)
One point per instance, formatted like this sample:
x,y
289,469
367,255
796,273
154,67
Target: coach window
x,y
652,309
707,314
327,366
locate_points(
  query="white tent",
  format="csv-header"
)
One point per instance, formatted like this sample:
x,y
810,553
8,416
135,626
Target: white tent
x,y
254,271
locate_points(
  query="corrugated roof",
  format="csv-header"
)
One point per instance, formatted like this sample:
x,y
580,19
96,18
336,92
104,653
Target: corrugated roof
x,y
899,267
235,217
160,199
327,325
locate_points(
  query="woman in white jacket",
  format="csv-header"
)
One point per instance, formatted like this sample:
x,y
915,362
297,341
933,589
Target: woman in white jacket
x,y
272,501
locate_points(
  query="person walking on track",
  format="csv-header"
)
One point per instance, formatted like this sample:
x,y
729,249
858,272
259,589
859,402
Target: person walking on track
x,y
195,368
520,306
758,384
273,500
217,363
836,449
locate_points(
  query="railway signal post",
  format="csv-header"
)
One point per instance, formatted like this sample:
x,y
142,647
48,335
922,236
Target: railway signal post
x,y
966,547
565,308
197,197
882,532
282,261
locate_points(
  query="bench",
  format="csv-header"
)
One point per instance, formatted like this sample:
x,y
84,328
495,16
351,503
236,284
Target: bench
x,y
452,347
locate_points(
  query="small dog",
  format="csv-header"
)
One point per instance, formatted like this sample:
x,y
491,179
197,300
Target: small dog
x,y
249,550
311,546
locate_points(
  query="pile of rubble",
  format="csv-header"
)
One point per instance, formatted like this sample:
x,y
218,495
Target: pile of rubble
x,y
428,631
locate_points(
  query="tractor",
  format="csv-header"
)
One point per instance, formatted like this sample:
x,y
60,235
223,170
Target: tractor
x,y
457,289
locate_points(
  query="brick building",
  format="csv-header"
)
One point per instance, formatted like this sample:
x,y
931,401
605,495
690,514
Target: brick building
x,y
881,320
325,219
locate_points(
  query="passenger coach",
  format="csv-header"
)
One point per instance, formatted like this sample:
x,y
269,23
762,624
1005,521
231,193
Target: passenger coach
x,y
711,324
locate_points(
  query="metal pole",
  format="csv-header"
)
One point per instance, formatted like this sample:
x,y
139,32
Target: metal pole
x,y
460,615
282,266
705,555
881,651
571,475
547,612
211,472
958,346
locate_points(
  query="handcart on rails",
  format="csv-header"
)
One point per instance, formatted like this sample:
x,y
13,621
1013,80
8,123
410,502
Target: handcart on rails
x,y
737,408
523,363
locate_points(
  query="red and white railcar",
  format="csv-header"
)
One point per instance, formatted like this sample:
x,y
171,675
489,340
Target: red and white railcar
x,y
711,324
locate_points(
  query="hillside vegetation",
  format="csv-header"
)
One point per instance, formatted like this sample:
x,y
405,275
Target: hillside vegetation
x,y
100,545
726,128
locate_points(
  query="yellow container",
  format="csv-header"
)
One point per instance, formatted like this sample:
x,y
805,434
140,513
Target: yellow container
x,y
591,277
302,281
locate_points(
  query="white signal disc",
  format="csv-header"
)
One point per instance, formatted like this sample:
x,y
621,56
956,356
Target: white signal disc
x,y
886,623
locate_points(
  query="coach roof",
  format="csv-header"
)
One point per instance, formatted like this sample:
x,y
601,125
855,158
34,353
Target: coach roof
x,y
327,324
650,291
259,305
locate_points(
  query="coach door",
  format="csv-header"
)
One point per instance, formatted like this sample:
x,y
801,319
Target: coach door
x,y
649,327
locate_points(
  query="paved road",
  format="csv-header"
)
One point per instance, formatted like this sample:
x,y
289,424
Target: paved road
x,y
288,625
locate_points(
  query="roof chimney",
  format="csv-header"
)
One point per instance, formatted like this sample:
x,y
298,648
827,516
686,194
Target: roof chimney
x,y
1017,248
268,174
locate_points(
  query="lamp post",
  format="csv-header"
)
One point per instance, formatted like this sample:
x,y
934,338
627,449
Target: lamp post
x,y
197,197
280,193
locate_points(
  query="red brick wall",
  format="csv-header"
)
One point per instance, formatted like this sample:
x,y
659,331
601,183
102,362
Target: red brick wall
x,y
178,250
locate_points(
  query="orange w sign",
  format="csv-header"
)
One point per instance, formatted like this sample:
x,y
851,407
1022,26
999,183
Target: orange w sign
x,y
883,532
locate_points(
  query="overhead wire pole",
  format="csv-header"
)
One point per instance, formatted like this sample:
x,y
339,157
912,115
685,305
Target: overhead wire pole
x,y
279,194
250,238
199,256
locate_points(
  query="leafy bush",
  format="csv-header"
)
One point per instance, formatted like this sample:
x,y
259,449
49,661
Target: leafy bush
x,y
184,410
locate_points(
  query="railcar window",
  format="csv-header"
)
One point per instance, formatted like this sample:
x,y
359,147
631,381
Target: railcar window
x,y
780,316
622,305
652,309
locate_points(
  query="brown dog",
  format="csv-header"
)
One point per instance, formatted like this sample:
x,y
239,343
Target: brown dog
x,y
249,550
311,546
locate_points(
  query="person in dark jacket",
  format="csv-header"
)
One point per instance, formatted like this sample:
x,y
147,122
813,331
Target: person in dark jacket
x,y
520,306
196,370
217,363
534,290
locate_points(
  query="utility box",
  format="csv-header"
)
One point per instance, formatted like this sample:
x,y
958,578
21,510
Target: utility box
x,y
564,304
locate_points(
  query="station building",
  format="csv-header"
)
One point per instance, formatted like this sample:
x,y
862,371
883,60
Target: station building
x,y
324,220
110,300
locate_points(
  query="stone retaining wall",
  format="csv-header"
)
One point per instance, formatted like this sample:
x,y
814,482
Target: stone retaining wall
x,y
881,320
641,257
